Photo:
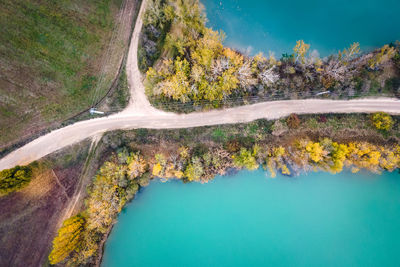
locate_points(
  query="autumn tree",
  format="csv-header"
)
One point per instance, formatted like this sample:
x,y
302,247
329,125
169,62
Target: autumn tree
x,y
275,161
300,51
111,189
339,155
115,184
385,54
194,170
207,48
159,165
137,165
245,159
348,53
68,239
382,121
315,151
177,85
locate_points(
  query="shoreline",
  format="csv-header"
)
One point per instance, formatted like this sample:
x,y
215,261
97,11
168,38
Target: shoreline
x,y
232,174
228,169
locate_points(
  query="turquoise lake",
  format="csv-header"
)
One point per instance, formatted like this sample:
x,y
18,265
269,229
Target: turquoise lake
x,y
248,219
329,26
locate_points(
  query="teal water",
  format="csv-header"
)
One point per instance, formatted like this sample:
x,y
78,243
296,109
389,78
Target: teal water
x,y
250,220
330,25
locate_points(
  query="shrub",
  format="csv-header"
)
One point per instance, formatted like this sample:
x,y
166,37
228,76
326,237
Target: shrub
x,y
245,159
199,150
218,135
279,128
233,146
382,121
293,121
322,119
13,179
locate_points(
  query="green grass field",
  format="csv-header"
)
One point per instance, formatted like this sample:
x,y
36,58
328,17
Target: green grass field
x,y
50,60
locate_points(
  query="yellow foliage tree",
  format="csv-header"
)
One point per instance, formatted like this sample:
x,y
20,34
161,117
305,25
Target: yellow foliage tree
x,y
382,121
315,151
68,239
137,166
235,59
207,48
157,169
385,54
347,54
184,152
339,155
300,50
275,161
194,170
245,159
177,86
159,166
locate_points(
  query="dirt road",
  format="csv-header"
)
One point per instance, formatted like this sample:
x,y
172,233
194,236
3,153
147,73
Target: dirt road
x,y
140,114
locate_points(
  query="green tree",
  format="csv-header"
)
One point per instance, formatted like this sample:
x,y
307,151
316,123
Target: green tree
x,y
14,179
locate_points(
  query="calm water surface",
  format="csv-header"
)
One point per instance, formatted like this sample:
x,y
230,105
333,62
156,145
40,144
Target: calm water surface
x,y
329,25
250,220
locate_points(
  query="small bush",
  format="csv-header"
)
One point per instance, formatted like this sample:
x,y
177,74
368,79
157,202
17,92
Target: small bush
x,y
293,121
218,135
279,128
382,121
13,179
233,146
322,119
199,150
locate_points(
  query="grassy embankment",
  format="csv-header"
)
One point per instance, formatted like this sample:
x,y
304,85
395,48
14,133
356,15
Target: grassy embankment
x,y
188,67
290,146
51,61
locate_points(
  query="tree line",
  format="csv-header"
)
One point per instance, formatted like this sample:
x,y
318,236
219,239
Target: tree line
x,y
128,169
191,65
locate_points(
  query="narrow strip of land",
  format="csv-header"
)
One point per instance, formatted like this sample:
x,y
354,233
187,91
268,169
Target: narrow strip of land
x,y
140,114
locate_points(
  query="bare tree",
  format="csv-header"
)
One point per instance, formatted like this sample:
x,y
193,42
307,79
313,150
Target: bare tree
x,y
245,76
268,76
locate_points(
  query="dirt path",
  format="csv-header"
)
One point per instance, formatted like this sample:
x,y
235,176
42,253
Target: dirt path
x,y
138,103
82,184
140,114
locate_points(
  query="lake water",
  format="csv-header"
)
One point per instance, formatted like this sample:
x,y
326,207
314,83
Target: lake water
x,y
248,219
329,25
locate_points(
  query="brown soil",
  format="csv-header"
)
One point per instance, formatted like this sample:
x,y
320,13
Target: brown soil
x,y
29,218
